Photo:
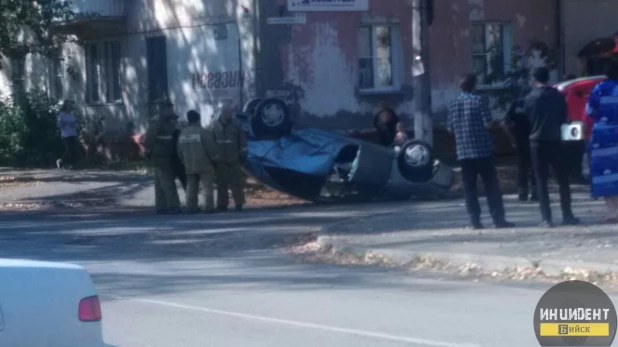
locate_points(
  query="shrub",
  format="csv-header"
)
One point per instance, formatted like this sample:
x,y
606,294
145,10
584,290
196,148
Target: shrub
x,y
29,136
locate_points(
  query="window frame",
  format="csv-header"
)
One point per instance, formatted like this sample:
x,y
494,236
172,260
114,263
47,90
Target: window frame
x,y
104,71
507,37
396,59
157,53
56,78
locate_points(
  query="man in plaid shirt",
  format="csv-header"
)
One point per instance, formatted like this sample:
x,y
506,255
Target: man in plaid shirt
x,y
469,119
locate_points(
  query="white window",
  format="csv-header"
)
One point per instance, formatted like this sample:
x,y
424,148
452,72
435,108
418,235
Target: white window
x,y
491,51
379,58
103,72
56,84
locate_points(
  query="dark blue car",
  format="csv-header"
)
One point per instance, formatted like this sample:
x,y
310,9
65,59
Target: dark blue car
x,y
323,166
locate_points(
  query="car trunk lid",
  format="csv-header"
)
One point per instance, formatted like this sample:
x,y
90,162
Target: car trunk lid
x,y
44,298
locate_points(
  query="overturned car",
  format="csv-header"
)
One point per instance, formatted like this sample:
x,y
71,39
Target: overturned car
x,y
324,166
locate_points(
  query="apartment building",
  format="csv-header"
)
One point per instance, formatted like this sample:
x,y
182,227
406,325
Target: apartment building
x,y
335,61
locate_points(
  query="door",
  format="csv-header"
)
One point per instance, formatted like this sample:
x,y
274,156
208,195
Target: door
x,y
156,48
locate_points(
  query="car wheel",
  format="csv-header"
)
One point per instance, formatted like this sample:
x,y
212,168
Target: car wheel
x,y
415,161
251,106
271,119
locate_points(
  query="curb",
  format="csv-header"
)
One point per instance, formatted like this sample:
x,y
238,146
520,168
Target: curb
x,y
485,262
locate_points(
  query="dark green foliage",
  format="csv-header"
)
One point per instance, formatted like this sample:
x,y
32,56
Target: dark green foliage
x,y
39,16
29,136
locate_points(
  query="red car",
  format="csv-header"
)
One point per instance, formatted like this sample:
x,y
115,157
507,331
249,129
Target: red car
x,y
576,93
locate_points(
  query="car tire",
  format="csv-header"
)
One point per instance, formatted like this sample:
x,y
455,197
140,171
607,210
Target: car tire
x,y
415,161
251,106
271,119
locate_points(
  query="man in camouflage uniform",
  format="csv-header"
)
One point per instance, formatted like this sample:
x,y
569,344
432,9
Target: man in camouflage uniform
x,y
231,144
195,149
159,148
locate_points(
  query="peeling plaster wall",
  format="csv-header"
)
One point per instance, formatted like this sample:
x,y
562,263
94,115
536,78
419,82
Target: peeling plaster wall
x,y
317,64
317,61
451,50
331,83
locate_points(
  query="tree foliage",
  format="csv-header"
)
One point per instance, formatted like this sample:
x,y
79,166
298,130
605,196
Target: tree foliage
x,y
21,18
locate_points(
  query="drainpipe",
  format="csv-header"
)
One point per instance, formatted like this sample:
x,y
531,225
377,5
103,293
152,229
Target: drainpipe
x,y
240,67
561,63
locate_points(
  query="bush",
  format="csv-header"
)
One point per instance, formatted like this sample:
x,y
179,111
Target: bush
x,y
29,136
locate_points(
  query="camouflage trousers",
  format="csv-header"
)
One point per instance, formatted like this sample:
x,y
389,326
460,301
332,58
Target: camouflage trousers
x,y
166,194
230,177
193,187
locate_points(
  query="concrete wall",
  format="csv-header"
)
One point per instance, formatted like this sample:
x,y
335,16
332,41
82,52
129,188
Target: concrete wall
x,y
203,71
583,22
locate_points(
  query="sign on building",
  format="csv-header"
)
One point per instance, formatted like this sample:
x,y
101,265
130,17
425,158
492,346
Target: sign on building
x,y
299,18
328,5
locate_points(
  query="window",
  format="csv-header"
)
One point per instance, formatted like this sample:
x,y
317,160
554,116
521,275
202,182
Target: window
x,y
92,73
112,67
491,51
56,85
156,48
379,63
103,72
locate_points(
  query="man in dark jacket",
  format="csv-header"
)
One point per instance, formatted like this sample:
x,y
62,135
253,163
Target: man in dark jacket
x,y
546,109
517,127
177,166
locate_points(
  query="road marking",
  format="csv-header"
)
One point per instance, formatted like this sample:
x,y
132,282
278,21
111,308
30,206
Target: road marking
x,y
362,333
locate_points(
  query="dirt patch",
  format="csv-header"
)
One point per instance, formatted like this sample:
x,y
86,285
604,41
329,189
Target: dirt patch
x,y
317,252
258,194
9,181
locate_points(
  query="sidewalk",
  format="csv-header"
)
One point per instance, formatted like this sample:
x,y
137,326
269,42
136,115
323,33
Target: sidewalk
x,y
37,189
430,235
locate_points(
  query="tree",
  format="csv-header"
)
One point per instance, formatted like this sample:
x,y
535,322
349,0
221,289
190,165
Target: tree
x,y
29,26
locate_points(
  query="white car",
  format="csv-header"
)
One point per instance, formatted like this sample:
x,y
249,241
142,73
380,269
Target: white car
x,y
45,304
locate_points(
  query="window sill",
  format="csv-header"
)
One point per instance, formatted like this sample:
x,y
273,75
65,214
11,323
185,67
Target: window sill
x,y
380,91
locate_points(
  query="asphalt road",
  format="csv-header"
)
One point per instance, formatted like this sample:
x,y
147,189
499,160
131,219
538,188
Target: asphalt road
x,y
224,281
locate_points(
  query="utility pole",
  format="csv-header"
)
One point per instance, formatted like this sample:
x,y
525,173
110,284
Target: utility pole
x,y
423,128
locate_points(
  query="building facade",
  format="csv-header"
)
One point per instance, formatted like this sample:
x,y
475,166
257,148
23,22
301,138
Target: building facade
x,y
332,63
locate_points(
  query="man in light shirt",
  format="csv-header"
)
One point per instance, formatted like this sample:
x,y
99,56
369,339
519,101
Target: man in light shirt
x,y
67,123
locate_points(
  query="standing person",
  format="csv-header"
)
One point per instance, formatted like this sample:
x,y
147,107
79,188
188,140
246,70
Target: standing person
x,y
546,109
180,172
601,107
159,146
517,123
231,145
196,150
401,138
470,120
67,123
385,122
